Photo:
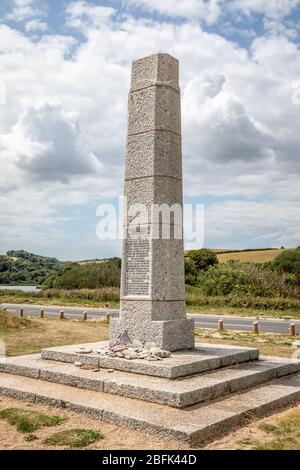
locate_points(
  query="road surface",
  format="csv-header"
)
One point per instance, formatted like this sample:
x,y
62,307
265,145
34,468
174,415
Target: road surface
x,y
201,320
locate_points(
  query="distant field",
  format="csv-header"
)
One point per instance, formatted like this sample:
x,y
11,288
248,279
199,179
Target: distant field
x,y
259,256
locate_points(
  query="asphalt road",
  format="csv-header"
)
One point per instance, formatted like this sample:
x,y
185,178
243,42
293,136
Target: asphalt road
x,y
201,320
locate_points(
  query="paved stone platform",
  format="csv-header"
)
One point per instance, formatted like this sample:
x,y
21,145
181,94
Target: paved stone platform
x,y
205,357
194,425
180,393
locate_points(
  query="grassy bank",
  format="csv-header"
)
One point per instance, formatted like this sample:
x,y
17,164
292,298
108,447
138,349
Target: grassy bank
x,y
103,297
287,314
246,305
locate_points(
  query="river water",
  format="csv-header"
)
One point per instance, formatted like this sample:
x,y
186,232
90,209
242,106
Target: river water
x,y
22,288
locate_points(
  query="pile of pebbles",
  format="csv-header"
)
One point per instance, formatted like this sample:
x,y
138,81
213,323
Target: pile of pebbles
x,y
149,352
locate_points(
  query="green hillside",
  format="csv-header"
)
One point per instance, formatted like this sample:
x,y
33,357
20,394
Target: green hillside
x,y
24,268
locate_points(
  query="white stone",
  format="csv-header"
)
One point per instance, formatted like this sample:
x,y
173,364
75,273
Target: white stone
x,y
84,351
137,344
101,352
150,345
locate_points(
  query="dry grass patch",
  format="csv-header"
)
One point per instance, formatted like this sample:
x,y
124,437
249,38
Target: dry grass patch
x,y
268,344
11,322
259,256
278,432
283,434
36,334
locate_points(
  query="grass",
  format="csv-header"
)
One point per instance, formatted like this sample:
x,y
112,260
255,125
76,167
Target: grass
x,y
36,334
273,307
286,314
28,421
11,322
268,344
102,297
42,333
279,434
251,256
31,437
75,438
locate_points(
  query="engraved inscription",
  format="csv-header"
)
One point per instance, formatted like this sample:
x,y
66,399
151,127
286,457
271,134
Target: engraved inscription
x,y
137,278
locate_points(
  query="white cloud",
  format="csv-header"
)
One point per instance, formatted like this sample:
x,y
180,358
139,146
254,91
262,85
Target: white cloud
x,y
270,8
26,9
36,25
240,126
207,10
218,126
81,13
46,144
254,223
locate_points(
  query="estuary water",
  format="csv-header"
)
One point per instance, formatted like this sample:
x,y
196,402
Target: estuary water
x,y
22,288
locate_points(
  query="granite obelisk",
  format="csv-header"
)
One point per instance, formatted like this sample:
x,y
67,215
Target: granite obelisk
x,y
152,285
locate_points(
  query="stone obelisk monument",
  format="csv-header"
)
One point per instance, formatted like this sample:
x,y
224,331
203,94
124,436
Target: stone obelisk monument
x,y
152,284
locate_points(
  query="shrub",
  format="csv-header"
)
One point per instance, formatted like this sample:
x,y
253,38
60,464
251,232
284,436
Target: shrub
x,y
103,294
90,275
234,278
194,297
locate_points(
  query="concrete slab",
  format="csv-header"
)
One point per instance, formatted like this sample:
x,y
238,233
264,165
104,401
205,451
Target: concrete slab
x,y
180,393
203,358
194,425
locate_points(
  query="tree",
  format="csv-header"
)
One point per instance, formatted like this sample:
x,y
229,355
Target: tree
x,y
288,262
203,259
191,272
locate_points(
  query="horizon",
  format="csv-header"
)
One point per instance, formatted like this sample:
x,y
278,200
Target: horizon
x,y
230,250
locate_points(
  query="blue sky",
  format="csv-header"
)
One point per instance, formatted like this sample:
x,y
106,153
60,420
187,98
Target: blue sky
x,y
64,80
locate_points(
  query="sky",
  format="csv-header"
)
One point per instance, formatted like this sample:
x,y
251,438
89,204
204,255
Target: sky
x,y
64,82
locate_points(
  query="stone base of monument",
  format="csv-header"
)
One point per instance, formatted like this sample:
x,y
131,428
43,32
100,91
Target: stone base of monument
x,y
203,358
173,335
192,396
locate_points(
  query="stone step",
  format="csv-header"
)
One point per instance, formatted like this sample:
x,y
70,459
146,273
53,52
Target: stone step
x,y
179,393
204,357
194,425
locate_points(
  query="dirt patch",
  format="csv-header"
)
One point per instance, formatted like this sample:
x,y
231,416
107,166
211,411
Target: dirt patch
x,y
284,435
115,437
119,438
